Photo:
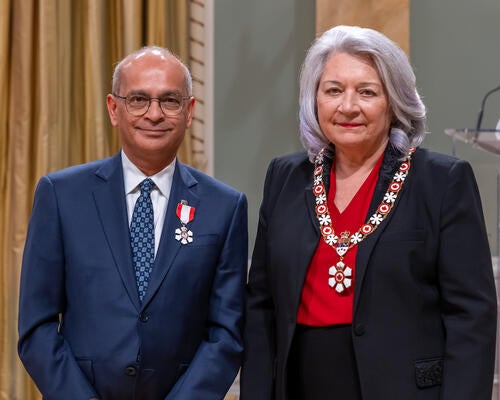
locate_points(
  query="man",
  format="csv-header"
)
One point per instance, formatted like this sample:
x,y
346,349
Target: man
x,y
134,266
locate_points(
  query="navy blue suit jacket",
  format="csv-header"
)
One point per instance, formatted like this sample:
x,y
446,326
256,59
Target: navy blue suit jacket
x,y
83,331
424,318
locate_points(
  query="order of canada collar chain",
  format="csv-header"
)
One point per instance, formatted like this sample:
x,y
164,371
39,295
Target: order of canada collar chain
x,y
340,275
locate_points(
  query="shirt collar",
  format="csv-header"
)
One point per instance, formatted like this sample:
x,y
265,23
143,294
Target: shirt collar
x,y
133,176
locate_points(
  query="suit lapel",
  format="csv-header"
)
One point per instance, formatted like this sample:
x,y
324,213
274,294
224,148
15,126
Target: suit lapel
x,y
307,228
111,205
310,204
387,170
183,184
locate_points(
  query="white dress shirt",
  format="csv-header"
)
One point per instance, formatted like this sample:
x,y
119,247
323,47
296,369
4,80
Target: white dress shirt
x,y
160,193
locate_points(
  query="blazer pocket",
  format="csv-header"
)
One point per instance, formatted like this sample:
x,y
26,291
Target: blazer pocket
x,y
205,240
429,372
87,368
405,236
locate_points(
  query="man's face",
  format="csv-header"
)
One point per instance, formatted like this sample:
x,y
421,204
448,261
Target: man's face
x,y
153,137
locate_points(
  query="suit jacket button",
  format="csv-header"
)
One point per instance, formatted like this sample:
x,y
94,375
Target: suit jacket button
x,y
130,370
144,317
359,329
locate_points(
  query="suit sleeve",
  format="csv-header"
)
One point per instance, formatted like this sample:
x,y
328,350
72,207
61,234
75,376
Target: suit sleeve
x,y
258,371
218,357
43,350
466,280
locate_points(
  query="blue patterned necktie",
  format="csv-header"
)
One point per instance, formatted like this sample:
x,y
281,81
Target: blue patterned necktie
x,y
142,237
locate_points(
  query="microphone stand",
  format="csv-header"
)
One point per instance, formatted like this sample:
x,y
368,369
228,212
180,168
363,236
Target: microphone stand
x,y
481,111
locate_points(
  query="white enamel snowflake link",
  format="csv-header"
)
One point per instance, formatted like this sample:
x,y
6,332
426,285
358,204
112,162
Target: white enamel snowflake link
x,y
399,176
376,219
331,239
356,238
324,219
321,199
319,157
390,197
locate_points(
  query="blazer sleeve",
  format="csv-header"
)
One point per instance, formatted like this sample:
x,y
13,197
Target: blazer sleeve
x,y
469,309
218,358
258,370
44,352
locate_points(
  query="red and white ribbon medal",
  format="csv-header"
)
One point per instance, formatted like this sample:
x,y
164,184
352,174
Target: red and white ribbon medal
x,y
186,215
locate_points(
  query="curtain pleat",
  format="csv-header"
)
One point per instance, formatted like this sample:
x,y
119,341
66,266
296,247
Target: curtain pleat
x,y
5,304
93,105
56,64
20,162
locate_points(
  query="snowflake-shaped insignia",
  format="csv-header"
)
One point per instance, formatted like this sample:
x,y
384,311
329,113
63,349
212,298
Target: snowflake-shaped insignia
x,y
390,197
321,199
319,157
324,219
184,235
356,238
399,176
331,239
376,219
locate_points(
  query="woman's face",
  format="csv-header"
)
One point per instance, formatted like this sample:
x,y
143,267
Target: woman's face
x,y
353,109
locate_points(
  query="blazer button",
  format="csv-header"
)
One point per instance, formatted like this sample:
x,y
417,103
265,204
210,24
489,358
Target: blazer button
x,y
144,317
130,370
359,329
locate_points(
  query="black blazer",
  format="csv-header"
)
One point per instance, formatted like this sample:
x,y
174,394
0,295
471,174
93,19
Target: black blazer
x,y
424,319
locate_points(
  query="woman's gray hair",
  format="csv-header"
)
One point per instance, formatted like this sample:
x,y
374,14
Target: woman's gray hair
x,y
408,111
117,74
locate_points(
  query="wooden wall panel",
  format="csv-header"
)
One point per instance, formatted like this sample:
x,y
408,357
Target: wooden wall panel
x,y
391,17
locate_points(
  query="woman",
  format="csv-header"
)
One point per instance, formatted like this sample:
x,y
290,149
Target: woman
x,y
371,275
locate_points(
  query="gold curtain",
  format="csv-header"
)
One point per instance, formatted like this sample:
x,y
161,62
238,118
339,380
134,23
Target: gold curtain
x,y
56,62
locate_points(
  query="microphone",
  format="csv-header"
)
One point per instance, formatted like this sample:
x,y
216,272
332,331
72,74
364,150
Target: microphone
x,y
481,111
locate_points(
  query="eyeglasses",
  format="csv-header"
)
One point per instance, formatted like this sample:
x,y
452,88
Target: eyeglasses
x,y
138,104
